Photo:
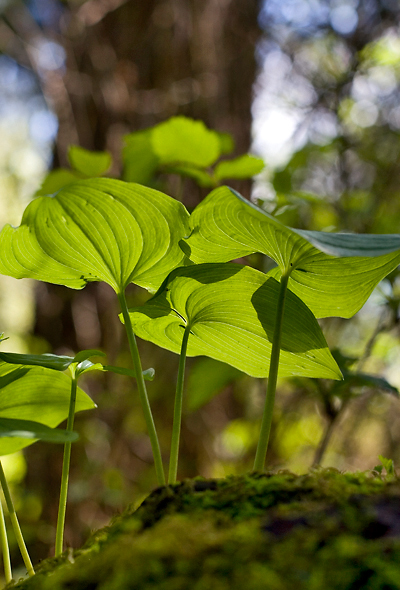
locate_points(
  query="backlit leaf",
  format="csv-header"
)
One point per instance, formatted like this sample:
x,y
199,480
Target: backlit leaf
x,y
185,140
97,230
231,312
140,161
244,166
35,394
201,176
88,162
333,274
56,180
83,355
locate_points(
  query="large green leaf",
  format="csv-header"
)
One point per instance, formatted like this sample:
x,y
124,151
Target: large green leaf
x,y
333,274
97,230
35,394
231,312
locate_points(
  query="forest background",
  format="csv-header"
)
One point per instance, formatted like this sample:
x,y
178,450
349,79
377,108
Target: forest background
x,y
313,87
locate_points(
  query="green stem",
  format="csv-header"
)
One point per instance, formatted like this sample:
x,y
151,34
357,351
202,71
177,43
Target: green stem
x,y
65,471
155,445
272,379
5,549
176,429
15,523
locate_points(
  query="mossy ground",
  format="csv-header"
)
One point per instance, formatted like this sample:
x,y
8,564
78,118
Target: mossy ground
x,y
321,531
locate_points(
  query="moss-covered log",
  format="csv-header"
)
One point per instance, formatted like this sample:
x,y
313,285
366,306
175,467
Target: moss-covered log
x,y
324,530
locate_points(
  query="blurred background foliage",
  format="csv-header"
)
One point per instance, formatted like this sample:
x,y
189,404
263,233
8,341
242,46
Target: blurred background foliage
x,y
313,87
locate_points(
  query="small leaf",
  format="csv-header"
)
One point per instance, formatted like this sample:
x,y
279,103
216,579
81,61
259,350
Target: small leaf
x,y
202,177
363,380
225,226
245,166
231,312
97,230
28,429
140,161
83,355
88,162
86,366
388,465
226,143
184,140
148,374
56,180
35,393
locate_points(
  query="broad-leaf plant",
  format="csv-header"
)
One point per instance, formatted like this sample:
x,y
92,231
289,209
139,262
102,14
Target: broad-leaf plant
x,y
82,228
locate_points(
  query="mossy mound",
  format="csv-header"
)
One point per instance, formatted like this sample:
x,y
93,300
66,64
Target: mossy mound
x,y
324,530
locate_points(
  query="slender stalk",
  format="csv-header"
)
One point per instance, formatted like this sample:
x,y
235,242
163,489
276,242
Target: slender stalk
x,y
5,549
65,471
155,445
176,429
15,523
272,379
323,444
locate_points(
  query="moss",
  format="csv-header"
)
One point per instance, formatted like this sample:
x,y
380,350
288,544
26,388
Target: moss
x,y
275,531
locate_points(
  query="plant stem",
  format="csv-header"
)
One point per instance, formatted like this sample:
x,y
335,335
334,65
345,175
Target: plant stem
x,y
272,379
323,444
176,429
155,445
65,471
15,523
5,549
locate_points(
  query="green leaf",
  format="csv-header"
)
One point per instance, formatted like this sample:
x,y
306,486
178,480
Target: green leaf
x,y
61,363
358,380
35,393
83,355
13,428
49,361
245,166
56,180
88,162
140,161
387,464
226,143
184,140
202,177
231,312
97,230
333,274
148,374
206,379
